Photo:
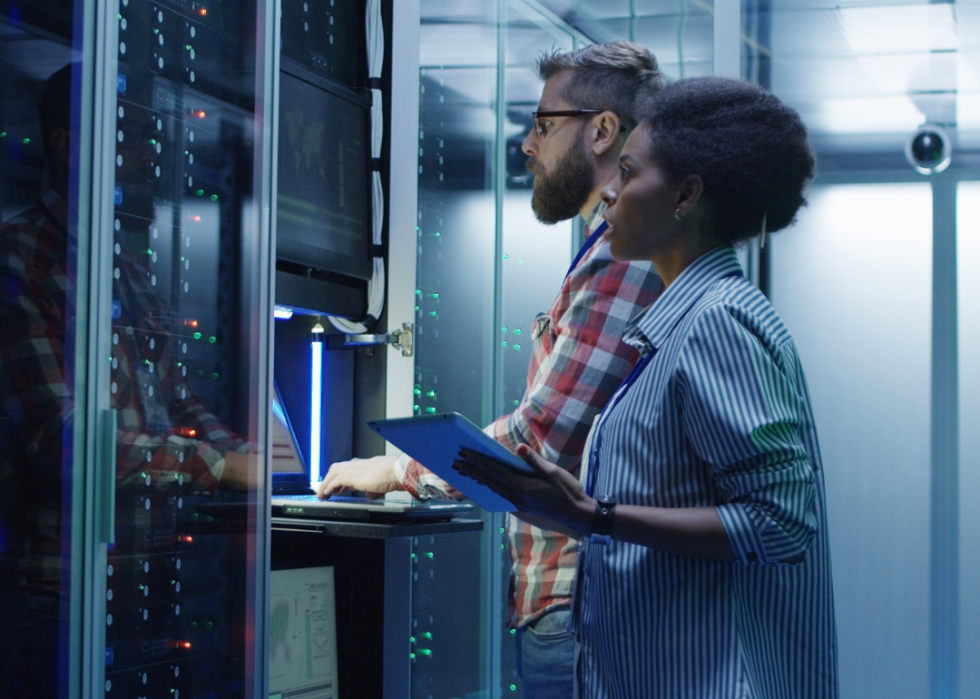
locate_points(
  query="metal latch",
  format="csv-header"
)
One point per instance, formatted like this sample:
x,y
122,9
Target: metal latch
x,y
400,339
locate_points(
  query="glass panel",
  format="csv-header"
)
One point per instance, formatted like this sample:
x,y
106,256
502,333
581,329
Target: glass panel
x,y
40,90
968,278
853,283
184,380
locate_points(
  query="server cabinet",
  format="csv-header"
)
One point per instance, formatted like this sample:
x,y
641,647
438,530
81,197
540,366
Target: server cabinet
x,y
156,551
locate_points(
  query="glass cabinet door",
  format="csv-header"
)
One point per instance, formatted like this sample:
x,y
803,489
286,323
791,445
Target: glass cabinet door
x,y
184,377
41,273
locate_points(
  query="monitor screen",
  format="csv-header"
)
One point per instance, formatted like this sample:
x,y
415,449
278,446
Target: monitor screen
x,y
303,634
324,199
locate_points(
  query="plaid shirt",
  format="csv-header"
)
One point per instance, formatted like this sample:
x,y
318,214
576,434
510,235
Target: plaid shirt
x,y
37,295
578,361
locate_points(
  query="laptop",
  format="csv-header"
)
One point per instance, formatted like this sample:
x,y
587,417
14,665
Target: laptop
x,y
292,495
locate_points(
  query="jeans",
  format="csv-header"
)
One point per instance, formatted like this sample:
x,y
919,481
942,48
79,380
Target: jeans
x,y
546,656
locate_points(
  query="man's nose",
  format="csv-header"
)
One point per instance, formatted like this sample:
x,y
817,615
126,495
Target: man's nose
x,y
530,145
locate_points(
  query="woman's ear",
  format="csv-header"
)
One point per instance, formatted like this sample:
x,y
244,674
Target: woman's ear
x,y
605,131
689,193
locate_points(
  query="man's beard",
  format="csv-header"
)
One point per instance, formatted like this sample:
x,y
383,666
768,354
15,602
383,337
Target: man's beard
x,y
559,195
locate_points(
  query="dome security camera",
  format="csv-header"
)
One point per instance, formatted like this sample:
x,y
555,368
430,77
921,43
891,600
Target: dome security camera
x,y
929,150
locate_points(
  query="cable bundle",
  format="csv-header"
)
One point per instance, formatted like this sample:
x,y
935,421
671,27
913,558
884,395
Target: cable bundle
x,y
376,286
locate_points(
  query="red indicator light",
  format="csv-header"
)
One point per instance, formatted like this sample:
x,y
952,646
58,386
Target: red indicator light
x,y
196,219
199,113
185,644
204,12
187,540
185,431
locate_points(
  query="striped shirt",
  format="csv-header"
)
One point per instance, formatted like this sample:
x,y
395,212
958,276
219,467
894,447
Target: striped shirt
x,y
719,416
578,359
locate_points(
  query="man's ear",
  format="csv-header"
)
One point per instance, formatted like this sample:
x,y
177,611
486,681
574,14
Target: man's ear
x,y
604,130
689,193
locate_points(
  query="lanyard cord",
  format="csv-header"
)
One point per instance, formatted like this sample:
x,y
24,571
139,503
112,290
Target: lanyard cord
x,y
596,234
593,462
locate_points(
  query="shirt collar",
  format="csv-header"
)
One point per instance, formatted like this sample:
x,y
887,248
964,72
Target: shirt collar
x,y
651,328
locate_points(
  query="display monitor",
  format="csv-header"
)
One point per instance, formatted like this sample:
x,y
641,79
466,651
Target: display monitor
x,y
303,634
324,200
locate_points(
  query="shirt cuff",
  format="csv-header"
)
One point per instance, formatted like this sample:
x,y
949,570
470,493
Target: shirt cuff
x,y
745,539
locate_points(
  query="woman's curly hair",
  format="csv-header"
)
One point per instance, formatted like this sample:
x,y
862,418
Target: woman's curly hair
x,y
750,150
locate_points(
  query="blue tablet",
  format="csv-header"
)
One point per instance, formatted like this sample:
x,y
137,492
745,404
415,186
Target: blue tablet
x,y
435,441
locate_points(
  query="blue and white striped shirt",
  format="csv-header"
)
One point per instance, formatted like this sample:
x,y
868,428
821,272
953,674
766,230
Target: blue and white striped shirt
x,y
719,416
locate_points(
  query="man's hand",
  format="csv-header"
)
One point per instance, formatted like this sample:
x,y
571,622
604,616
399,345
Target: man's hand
x,y
239,473
374,476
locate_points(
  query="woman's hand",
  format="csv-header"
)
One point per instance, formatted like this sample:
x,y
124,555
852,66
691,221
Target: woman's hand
x,y
552,493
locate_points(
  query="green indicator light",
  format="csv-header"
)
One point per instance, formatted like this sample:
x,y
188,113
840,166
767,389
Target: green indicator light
x,y
188,47
435,296
503,329
502,546
210,625
215,376
412,639
516,403
25,141
195,516
513,688
415,407
506,257
118,16
199,373
418,292
194,623
502,530
143,475
214,197
198,336
426,651
430,410
517,331
411,656
433,314
431,394
186,152
200,192
413,555
504,343
153,141
416,309
417,391
520,261
438,234
517,347
429,555
212,339
513,631
428,634
3,134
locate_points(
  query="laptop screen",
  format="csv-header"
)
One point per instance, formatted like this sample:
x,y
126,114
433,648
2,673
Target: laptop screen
x,y
289,471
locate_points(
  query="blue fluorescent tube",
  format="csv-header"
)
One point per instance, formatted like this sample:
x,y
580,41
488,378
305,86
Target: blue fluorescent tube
x,y
316,381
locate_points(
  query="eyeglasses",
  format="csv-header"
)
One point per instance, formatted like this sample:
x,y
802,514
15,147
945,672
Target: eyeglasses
x,y
541,128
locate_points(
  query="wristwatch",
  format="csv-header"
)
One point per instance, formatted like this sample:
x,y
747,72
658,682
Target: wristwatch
x,y
604,520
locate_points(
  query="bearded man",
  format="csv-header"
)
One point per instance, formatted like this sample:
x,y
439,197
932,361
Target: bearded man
x,y
585,113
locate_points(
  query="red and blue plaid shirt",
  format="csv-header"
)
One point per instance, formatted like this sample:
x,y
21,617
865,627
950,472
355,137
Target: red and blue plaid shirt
x,y
36,386
578,362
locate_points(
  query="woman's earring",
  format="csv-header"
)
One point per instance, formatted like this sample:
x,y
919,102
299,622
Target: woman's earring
x,y
677,215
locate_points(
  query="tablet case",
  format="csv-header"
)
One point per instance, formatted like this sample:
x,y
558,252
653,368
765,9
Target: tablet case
x,y
435,441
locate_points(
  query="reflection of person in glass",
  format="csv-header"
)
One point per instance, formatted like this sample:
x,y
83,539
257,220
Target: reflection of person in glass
x,y
164,432
708,571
